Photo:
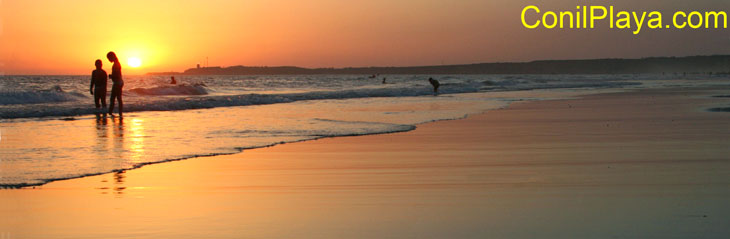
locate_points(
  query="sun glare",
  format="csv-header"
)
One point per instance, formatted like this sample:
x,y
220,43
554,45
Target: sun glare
x,y
134,62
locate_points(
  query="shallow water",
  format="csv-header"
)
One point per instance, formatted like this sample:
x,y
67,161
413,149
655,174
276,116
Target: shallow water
x,y
535,170
34,151
42,96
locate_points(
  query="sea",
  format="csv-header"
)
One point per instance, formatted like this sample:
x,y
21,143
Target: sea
x,y
50,129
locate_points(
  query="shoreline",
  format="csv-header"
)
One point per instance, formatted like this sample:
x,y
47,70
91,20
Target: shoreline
x,y
716,109
628,164
241,149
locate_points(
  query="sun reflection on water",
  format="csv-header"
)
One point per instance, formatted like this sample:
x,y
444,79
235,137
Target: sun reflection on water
x,y
137,135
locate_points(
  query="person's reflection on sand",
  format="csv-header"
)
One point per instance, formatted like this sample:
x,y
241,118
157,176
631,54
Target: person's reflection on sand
x,y
101,121
118,126
119,182
116,153
102,136
102,144
119,152
118,138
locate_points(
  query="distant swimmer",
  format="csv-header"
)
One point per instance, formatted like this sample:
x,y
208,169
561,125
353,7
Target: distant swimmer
x,y
117,82
98,80
173,81
435,85
384,81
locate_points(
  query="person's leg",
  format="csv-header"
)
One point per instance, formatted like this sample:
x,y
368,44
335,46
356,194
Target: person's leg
x,y
121,104
96,103
103,99
97,98
111,101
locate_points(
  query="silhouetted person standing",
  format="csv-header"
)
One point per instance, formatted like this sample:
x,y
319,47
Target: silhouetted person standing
x,y
173,81
435,85
117,81
98,80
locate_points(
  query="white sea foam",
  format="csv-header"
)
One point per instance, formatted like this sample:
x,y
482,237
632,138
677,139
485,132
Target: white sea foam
x,y
36,97
199,93
185,89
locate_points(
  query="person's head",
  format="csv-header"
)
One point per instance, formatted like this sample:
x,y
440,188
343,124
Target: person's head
x,y
97,63
111,56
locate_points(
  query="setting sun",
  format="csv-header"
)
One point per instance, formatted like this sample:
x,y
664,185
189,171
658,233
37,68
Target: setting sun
x,y
134,62
364,119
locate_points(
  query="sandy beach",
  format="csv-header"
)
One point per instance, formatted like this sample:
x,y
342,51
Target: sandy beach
x,y
643,164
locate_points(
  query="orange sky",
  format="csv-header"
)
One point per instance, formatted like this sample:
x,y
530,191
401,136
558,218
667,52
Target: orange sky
x,y
65,37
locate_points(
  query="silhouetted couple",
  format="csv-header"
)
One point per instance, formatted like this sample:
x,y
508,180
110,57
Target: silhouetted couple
x,y
98,80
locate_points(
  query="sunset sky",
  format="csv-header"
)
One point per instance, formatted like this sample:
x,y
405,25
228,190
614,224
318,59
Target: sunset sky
x,y
65,37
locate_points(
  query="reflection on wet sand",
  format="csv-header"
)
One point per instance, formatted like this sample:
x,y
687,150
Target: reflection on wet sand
x,y
118,128
137,135
133,152
503,174
153,137
102,135
118,138
116,148
119,182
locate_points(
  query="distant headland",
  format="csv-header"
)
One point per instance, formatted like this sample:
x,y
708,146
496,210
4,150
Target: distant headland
x,y
715,64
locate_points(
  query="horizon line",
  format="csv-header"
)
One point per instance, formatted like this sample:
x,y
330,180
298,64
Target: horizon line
x,y
461,64
364,67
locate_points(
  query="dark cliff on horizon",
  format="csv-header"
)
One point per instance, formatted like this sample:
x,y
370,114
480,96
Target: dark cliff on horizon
x,y
690,64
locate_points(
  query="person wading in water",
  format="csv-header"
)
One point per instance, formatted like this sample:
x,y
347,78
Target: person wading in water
x,y
117,81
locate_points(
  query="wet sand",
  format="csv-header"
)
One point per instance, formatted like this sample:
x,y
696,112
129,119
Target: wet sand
x,y
646,164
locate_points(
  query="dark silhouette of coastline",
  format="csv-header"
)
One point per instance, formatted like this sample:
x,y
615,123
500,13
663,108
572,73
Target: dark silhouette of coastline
x,y
716,64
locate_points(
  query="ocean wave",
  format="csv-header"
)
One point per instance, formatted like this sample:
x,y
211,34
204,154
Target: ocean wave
x,y
208,101
54,95
196,89
514,85
196,96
